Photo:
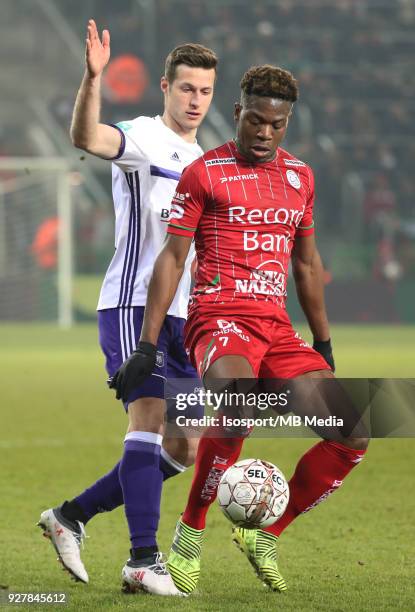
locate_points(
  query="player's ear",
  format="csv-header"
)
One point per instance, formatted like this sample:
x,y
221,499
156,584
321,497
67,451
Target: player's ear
x,y
237,111
164,84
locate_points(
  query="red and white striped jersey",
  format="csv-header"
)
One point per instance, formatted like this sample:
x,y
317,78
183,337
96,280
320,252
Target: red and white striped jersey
x,y
244,217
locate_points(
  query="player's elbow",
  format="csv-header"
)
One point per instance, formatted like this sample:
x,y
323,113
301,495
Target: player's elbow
x,y
77,141
301,269
171,262
80,141
178,266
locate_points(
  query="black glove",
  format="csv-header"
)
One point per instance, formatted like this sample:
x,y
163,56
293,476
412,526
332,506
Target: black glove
x,y
134,370
324,348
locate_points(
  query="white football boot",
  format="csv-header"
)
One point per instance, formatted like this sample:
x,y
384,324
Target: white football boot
x,y
149,575
66,541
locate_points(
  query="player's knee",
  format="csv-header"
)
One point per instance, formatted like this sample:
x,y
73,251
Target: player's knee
x,y
181,449
146,414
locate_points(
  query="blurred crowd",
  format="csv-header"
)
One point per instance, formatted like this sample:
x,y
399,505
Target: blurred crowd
x,y
355,117
354,122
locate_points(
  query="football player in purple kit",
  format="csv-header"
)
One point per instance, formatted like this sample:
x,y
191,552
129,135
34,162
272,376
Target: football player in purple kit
x,y
148,155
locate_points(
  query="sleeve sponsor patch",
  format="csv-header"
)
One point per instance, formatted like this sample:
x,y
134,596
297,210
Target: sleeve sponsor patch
x,y
124,125
176,211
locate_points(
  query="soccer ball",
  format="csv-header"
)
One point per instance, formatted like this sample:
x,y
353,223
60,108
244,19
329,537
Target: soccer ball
x,y
253,493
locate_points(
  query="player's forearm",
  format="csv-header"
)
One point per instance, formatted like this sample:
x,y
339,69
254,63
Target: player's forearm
x,y
85,118
161,291
310,291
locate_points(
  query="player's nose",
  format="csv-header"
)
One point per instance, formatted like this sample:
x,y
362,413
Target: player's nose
x,y
265,132
195,100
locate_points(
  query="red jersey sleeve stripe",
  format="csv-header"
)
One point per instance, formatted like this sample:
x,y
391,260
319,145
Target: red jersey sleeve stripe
x,y
305,231
307,227
179,231
182,227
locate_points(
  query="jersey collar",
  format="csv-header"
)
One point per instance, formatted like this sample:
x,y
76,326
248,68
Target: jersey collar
x,y
160,121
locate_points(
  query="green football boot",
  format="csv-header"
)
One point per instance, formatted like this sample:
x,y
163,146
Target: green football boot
x,y
261,549
184,558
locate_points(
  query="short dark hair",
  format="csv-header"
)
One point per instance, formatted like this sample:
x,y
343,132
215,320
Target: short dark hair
x,y
270,82
190,54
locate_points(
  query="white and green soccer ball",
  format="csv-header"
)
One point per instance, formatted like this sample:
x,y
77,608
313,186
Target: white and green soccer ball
x,y
253,493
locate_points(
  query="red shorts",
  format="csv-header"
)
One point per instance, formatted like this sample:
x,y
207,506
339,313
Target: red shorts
x,y
270,344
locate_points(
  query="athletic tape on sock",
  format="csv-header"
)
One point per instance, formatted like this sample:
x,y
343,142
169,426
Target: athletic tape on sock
x,y
179,467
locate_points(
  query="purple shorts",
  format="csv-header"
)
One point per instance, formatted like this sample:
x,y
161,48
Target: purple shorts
x,y
119,332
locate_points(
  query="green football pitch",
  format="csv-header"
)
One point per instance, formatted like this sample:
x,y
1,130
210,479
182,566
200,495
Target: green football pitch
x,y
61,429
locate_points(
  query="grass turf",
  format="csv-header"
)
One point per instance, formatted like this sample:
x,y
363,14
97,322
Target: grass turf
x,y
61,429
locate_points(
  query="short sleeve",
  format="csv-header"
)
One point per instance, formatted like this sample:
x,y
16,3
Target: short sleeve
x,y
306,226
133,136
188,202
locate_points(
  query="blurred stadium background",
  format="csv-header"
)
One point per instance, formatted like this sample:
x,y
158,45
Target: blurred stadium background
x,y
354,124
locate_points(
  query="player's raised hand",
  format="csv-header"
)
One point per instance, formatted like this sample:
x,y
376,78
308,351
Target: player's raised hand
x,y
134,370
97,51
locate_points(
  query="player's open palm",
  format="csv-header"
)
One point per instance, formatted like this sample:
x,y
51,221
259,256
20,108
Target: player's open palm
x,y
97,52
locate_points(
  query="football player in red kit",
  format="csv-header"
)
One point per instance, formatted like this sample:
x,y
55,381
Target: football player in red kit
x,y
248,204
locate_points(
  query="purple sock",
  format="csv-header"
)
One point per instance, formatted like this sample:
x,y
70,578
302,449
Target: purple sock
x,y
104,495
141,481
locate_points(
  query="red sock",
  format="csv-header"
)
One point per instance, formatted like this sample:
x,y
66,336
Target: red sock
x,y
318,474
214,456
